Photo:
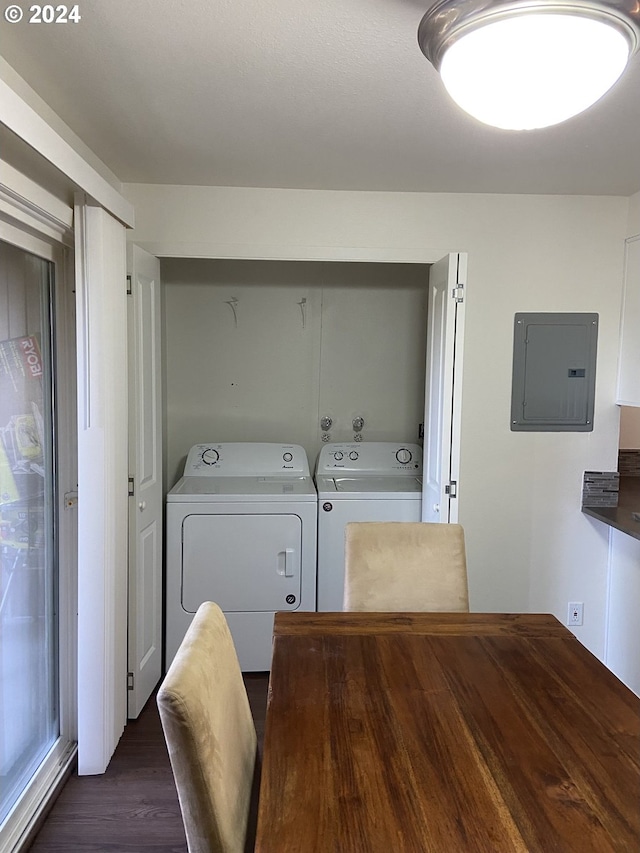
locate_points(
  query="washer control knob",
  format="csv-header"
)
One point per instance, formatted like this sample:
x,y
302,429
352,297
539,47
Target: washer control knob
x,y
287,457
338,455
353,455
210,456
404,455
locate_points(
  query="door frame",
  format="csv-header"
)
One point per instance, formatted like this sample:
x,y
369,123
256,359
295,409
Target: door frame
x,y
426,256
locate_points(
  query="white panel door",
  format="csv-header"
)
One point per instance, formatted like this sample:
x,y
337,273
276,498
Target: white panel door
x,y
145,468
443,387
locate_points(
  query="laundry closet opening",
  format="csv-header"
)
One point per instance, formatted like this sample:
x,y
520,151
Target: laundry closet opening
x,y
262,350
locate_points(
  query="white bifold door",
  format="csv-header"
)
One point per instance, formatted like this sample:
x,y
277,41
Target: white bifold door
x,y
443,388
145,479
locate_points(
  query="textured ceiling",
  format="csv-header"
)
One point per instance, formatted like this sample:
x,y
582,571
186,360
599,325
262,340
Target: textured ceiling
x,y
323,94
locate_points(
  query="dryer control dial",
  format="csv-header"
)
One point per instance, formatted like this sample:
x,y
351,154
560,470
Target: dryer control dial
x,y
210,456
404,455
287,457
353,455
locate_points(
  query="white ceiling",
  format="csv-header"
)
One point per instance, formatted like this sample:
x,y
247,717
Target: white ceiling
x,y
323,94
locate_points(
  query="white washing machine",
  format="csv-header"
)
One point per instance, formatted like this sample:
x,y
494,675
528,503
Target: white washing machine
x,y
367,481
241,531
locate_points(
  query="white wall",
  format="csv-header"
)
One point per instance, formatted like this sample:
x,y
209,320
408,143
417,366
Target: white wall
x,y
303,339
633,223
529,545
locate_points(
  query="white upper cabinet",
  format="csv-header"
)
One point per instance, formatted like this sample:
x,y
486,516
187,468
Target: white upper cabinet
x,y
629,363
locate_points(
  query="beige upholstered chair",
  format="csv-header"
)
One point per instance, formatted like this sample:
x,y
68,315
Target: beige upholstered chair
x,y
210,735
405,566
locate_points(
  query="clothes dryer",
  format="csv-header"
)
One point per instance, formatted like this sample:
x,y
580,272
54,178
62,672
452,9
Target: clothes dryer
x,y
241,531
365,481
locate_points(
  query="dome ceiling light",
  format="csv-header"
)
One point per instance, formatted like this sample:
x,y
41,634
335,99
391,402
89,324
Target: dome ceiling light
x,y
529,64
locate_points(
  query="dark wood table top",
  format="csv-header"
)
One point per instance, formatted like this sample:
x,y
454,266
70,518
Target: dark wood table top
x,y
451,733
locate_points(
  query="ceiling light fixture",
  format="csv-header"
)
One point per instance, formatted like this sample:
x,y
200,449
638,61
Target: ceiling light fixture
x,y
527,64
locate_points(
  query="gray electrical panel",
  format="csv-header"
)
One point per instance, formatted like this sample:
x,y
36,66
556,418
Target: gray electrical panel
x,y
554,372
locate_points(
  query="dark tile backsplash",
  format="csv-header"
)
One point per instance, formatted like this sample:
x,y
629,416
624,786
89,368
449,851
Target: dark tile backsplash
x,y
600,488
629,463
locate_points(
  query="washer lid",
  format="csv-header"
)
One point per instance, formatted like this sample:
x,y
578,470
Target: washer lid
x,y
202,489
374,487
378,484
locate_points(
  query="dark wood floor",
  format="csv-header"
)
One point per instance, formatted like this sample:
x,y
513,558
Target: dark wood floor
x,y
133,807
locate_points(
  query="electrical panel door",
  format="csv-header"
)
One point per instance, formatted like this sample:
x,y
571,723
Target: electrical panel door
x,y
554,371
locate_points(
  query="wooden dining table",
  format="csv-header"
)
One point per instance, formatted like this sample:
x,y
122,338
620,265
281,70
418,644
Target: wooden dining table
x,y
445,732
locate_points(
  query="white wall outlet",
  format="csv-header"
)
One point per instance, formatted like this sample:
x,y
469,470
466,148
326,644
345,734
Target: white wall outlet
x,y
575,612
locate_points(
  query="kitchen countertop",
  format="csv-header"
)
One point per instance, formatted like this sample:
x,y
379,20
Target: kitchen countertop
x,y
622,516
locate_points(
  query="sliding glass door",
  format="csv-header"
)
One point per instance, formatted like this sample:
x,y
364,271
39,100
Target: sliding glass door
x,y
33,730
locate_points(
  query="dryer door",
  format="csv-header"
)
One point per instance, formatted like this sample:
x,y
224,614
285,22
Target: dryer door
x,y
242,562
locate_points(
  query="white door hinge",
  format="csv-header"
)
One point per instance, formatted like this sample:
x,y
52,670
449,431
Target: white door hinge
x,y
129,681
132,490
458,293
129,288
451,489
